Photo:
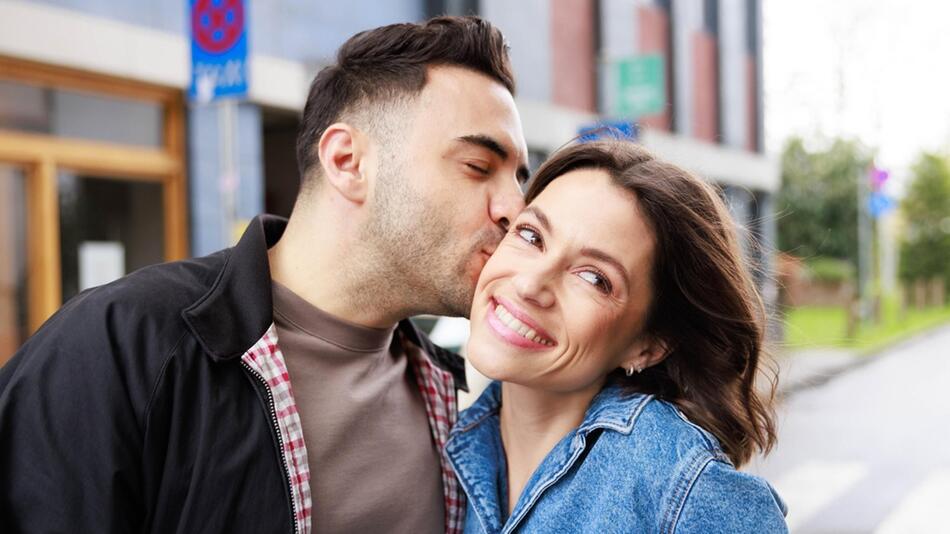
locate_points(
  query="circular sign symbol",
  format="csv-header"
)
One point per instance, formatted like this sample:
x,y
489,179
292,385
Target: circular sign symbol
x,y
217,24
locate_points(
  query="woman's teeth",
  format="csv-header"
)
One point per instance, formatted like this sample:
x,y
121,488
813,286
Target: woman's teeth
x,y
513,323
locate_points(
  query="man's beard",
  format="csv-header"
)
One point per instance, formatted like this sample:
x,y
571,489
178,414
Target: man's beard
x,y
422,264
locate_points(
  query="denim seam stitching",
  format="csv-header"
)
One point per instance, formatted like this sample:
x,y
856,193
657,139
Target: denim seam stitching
x,y
464,482
711,445
550,482
481,418
627,426
701,462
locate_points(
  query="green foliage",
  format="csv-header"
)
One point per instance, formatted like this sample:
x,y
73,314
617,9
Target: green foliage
x,y
812,326
817,203
925,250
830,270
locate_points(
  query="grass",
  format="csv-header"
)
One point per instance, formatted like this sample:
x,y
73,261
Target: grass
x,y
812,326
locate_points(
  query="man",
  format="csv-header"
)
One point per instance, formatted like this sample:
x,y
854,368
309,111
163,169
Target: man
x,y
277,386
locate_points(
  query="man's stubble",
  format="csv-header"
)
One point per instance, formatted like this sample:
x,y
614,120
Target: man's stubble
x,y
419,264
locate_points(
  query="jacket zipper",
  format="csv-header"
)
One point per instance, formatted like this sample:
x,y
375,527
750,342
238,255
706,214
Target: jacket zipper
x,y
280,440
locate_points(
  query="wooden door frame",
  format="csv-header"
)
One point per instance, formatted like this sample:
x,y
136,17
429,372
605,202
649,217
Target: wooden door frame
x,y
41,155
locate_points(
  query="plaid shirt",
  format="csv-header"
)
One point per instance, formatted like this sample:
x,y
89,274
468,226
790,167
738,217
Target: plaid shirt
x,y
437,386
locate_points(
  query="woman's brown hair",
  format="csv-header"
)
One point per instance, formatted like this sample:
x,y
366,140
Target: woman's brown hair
x,y
705,307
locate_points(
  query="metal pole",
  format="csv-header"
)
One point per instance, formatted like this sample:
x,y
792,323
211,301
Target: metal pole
x,y
227,158
865,238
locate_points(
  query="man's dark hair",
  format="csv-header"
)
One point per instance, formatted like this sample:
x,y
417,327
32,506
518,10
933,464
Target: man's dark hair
x,y
390,62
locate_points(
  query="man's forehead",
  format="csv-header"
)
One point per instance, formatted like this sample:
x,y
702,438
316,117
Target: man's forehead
x,y
471,97
462,103
459,123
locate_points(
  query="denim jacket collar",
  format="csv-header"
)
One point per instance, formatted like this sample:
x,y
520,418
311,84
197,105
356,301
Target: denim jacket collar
x,y
610,409
640,457
475,450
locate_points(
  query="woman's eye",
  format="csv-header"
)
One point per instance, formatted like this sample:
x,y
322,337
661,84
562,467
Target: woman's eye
x,y
529,236
596,279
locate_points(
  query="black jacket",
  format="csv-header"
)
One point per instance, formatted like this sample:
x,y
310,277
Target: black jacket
x,y
128,411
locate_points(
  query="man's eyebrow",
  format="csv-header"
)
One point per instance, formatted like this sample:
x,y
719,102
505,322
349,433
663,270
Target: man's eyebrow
x,y
606,258
485,141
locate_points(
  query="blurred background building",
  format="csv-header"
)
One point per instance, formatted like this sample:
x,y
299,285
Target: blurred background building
x,y
105,165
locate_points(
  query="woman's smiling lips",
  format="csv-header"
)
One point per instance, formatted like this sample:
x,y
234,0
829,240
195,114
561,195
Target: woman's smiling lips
x,y
520,331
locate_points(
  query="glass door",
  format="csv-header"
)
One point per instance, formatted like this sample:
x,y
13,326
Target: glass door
x,y
109,227
92,186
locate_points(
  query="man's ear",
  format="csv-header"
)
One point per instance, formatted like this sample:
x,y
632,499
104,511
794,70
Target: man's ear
x,y
644,353
341,147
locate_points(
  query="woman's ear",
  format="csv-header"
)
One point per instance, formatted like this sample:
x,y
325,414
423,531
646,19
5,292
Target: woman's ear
x,y
645,352
341,148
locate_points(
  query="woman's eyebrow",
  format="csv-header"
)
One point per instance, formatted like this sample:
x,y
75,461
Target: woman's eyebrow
x,y
541,217
592,252
606,258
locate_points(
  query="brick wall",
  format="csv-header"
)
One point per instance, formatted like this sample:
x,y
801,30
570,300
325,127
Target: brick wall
x,y
573,54
654,38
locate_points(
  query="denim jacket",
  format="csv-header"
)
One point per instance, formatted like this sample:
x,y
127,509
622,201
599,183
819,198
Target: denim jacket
x,y
635,464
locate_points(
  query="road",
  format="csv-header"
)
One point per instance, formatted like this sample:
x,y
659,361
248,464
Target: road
x,y
869,451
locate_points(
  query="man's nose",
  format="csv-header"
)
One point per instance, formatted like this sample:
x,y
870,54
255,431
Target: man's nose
x,y
505,205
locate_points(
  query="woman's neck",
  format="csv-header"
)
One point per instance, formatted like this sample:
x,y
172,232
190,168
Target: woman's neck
x,y
532,422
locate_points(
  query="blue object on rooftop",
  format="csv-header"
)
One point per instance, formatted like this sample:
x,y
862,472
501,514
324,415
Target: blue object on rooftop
x,y
609,130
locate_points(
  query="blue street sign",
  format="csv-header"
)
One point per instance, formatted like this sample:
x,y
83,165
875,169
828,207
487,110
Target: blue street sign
x,y
218,49
609,130
879,204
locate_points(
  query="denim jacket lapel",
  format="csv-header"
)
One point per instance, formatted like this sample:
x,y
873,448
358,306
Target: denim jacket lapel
x,y
610,409
472,451
475,452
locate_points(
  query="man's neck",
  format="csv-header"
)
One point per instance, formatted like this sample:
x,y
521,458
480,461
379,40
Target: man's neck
x,y
326,270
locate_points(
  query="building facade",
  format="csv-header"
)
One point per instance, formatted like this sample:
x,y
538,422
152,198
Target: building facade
x,y
105,166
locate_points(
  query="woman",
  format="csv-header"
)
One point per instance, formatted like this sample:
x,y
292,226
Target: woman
x,y
626,335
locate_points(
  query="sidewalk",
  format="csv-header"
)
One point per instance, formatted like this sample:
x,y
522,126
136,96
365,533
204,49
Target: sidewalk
x,y
806,368
801,369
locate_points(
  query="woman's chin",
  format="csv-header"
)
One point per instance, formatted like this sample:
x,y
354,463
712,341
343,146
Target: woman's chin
x,y
488,360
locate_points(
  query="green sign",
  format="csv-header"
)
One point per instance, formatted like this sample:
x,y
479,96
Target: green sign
x,y
641,87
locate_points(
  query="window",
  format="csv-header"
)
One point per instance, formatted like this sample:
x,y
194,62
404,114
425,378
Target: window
x,y
92,186
13,261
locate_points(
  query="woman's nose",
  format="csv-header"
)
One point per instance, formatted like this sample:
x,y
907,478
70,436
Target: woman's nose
x,y
535,287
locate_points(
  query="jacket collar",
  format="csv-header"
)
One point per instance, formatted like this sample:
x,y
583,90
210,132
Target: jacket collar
x,y
442,358
238,309
611,408
614,409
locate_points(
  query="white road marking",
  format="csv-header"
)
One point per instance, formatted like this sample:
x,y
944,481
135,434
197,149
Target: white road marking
x,y
811,486
923,510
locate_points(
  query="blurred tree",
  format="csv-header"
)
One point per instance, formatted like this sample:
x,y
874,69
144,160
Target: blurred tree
x,y
925,250
817,203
